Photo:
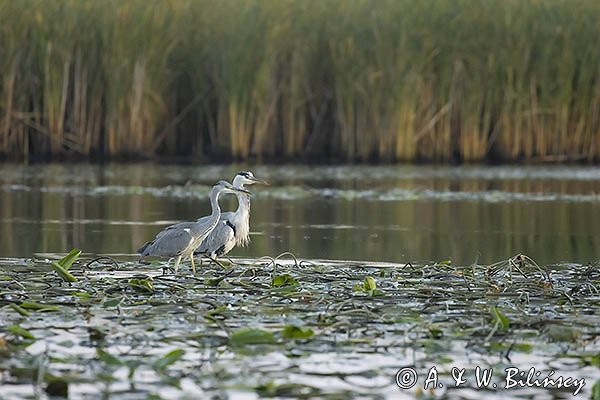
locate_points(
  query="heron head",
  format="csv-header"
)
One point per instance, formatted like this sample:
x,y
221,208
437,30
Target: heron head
x,y
247,178
226,187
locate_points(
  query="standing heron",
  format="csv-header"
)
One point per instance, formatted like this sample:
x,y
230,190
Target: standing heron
x,y
234,226
180,240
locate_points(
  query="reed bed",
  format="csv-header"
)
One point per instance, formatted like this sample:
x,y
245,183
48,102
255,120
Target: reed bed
x,y
353,80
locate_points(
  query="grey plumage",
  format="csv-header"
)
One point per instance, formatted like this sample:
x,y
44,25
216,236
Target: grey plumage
x,y
234,227
180,240
168,242
221,240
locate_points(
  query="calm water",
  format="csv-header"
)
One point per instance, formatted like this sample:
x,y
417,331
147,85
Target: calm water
x,y
387,213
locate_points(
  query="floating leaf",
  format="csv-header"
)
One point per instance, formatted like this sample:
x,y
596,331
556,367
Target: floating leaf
x,y
500,319
523,347
296,332
285,390
132,365
63,273
112,302
435,333
82,295
32,305
62,266
67,261
168,359
267,389
142,284
562,333
20,310
369,286
107,358
18,331
596,390
214,281
246,336
283,280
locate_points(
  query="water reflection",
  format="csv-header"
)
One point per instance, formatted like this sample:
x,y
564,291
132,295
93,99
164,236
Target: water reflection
x,y
391,213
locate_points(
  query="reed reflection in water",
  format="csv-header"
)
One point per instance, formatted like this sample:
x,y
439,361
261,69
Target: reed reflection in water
x,y
386,213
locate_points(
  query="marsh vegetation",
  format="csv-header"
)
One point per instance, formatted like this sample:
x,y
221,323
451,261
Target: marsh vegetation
x,y
332,80
291,328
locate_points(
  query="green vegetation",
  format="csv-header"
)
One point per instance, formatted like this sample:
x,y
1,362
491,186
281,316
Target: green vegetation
x,y
341,80
369,286
322,340
62,266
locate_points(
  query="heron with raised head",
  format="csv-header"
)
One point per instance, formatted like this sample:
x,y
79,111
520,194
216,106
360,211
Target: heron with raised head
x,y
233,228
180,240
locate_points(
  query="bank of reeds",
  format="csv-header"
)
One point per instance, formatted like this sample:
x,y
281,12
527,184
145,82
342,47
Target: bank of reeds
x,y
330,79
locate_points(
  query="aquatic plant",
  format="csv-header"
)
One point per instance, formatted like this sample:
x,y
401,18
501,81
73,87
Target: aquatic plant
x,y
124,328
338,80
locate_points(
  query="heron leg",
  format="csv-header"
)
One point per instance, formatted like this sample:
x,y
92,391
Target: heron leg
x,y
229,260
193,266
177,261
216,261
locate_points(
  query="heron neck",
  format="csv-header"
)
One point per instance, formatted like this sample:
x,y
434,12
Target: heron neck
x,y
214,203
201,224
243,204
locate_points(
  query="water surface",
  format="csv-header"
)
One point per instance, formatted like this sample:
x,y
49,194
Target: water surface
x,y
390,213
125,330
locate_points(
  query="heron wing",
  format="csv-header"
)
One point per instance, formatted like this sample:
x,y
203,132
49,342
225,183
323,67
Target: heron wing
x,y
178,226
203,248
171,241
220,240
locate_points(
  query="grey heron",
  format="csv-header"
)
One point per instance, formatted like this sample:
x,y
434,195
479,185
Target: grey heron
x,y
180,240
234,226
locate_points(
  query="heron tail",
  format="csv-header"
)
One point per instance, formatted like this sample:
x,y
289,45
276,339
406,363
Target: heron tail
x,y
142,250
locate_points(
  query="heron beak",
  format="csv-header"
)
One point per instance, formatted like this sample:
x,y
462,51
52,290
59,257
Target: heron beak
x,y
260,181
